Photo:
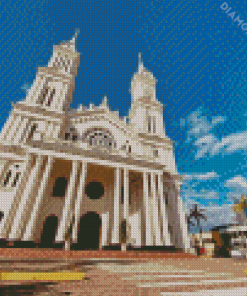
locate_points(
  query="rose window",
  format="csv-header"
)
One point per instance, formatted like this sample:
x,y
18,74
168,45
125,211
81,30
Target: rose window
x,y
101,138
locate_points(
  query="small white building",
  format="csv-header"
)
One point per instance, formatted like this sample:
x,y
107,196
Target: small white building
x,y
238,238
87,169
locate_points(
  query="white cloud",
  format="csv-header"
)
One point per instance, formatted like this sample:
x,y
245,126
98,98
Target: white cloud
x,y
236,182
200,133
203,194
206,176
233,142
218,119
219,215
205,145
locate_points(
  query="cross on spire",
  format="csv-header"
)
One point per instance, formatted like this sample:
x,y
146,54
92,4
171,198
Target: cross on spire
x,y
77,31
140,62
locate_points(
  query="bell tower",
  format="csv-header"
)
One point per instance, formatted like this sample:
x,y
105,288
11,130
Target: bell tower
x,y
43,112
54,84
146,113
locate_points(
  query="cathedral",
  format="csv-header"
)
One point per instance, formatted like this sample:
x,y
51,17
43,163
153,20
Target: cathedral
x,y
88,177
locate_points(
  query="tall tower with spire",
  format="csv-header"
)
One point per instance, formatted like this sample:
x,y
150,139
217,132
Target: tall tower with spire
x,y
146,112
54,84
49,97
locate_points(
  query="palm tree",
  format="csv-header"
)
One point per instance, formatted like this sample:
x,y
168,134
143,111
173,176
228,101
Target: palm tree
x,y
240,208
197,215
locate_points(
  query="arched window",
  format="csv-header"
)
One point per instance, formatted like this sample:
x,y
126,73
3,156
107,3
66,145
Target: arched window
x,y
12,176
154,125
46,96
32,131
71,135
7,178
151,122
156,152
59,189
1,215
63,63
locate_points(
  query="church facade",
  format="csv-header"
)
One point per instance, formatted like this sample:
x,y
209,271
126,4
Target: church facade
x,y
87,175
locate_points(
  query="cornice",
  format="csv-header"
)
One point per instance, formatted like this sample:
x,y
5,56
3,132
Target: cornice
x,y
37,110
46,71
155,138
147,102
100,154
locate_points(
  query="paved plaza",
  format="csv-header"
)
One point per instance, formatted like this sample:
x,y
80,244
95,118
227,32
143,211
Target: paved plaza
x,y
131,276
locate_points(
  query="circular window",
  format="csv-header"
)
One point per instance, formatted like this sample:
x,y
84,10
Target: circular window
x,y
94,190
101,138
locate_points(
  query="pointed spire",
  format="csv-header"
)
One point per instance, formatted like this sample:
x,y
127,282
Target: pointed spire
x,y
140,63
104,103
71,43
77,31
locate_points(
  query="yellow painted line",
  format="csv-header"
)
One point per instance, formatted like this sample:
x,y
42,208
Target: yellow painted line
x,y
42,276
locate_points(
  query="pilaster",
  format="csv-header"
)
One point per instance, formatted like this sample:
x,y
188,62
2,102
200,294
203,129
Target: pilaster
x,y
79,200
147,214
7,222
69,203
116,225
32,223
26,200
164,214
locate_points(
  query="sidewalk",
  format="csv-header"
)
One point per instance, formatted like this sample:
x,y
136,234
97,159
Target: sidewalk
x,y
22,253
128,273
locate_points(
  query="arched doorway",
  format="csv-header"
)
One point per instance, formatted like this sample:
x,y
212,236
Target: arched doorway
x,y
49,232
60,187
89,232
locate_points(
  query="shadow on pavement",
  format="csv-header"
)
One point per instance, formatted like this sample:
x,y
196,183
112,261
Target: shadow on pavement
x,y
35,289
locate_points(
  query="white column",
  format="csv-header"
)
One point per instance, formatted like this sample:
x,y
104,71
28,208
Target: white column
x,y
164,215
68,207
28,236
185,240
18,190
33,181
126,194
115,239
126,203
79,200
156,224
175,223
21,130
146,206
105,228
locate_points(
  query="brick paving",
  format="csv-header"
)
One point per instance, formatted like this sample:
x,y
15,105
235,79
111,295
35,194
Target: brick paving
x,y
128,273
58,254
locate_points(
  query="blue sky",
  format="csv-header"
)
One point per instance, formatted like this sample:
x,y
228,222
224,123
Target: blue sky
x,y
195,50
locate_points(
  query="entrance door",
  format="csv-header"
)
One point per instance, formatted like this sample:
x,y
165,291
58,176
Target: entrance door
x,y
49,232
89,232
